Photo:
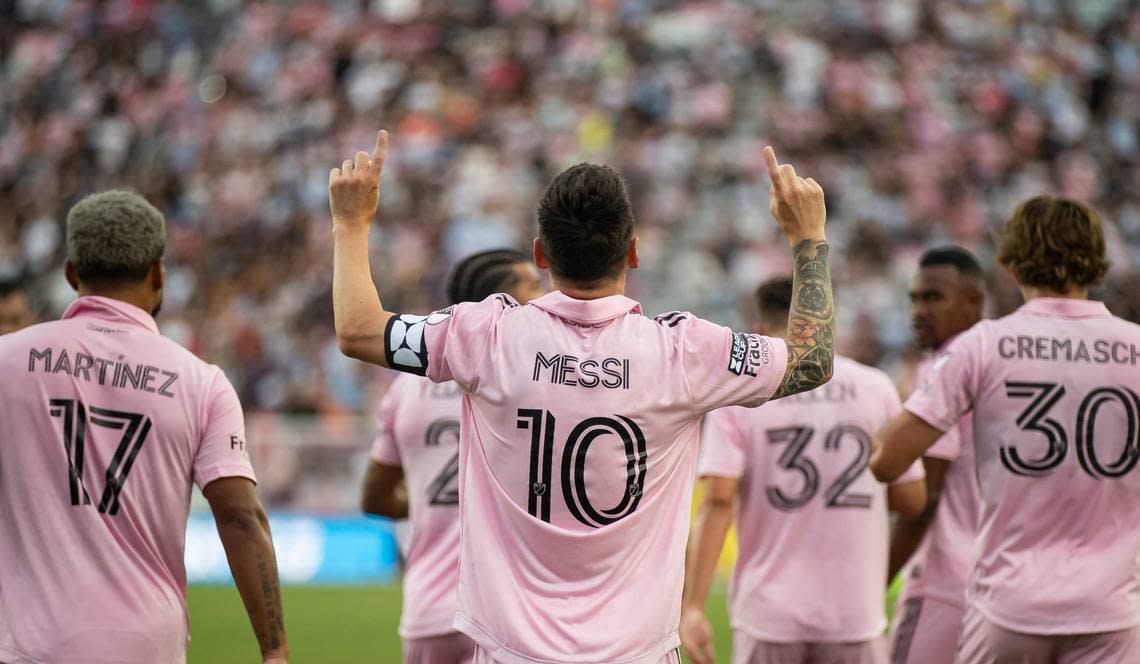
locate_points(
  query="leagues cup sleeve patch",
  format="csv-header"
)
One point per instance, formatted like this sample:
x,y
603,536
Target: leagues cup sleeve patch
x,y
404,343
748,353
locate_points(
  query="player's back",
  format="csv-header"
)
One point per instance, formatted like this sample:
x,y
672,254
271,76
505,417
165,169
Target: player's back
x,y
579,440
811,519
419,431
1057,435
103,420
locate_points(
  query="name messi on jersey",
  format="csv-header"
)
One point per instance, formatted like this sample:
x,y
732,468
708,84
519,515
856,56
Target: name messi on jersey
x,y
749,351
116,373
559,369
1101,351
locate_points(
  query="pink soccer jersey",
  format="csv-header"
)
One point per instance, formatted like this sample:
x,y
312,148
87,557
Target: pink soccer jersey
x,y
811,519
1053,390
106,425
577,458
419,431
943,565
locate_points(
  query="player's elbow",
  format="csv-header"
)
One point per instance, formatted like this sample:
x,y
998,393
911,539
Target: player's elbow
x,y
908,499
351,344
879,465
377,507
241,520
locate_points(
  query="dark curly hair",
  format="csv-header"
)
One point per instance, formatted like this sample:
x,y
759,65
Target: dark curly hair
x,y
1054,243
585,223
483,274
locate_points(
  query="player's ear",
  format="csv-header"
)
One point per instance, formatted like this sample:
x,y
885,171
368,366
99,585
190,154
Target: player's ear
x,y
539,255
72,277
633,260
157,276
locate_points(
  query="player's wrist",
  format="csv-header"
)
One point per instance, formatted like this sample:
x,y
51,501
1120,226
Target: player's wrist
x,y
795,240
347,227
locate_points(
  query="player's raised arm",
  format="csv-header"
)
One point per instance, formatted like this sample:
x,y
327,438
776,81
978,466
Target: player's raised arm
x,y
798,206
244,531
354,194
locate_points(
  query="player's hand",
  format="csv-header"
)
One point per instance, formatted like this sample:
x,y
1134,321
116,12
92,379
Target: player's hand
x,y
354,188
697,636
797,203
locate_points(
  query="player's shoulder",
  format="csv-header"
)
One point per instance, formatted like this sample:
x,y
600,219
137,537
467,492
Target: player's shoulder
x,y
14,345
674,319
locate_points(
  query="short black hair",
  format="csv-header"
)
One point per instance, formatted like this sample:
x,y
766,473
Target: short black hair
x,y
774,299
585,223
483,274
956,257
114,237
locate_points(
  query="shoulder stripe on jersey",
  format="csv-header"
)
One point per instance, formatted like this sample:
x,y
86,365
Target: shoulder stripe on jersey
x,y
672,319
507,300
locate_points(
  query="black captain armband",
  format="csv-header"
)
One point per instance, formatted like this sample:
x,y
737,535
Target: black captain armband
x,y
404,344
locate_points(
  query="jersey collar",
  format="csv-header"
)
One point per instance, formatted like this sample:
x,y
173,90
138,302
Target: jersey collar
x,y
1064,308
111,310
587,312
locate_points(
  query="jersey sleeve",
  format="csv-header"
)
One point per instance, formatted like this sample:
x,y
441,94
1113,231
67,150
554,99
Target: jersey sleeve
x,y
947,391
726,368
893,406
722,446
384,448
222,450
447,344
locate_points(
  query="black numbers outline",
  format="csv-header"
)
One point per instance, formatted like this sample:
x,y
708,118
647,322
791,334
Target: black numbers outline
x,y
135,427
836,496
1046,395
792,458
541,424
444,488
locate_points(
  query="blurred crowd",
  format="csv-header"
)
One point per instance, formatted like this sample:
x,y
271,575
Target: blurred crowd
x,y
926,122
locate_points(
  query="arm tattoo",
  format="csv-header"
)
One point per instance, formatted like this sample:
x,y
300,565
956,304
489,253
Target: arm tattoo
x,y
811,321
269,635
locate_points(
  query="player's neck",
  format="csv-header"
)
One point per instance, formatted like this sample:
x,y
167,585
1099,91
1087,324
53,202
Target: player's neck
x,y
1035,292
592,291
129,294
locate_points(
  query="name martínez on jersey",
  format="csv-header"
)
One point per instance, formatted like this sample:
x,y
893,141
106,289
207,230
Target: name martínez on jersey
x,y
1100,351
116,373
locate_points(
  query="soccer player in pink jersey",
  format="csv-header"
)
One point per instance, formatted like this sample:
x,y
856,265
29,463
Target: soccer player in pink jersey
x,y
1053,389
107,424
812,521
580,416
946,299
418,443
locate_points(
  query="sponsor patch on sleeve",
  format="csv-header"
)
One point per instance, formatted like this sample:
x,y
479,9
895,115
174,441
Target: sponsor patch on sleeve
x,y
749,352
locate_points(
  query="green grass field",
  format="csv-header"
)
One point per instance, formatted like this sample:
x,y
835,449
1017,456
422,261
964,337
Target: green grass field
x,y
335,624
328,624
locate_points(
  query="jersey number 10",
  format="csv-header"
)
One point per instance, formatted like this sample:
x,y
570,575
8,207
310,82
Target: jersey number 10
x,y
541,424
134,427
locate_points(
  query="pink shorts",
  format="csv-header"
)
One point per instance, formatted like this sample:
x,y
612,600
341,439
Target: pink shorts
x,y
925,631
749,650
453,648
483,657
983,642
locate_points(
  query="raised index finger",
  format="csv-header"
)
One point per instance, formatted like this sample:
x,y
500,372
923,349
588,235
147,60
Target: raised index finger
x,y
773,167
380,152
